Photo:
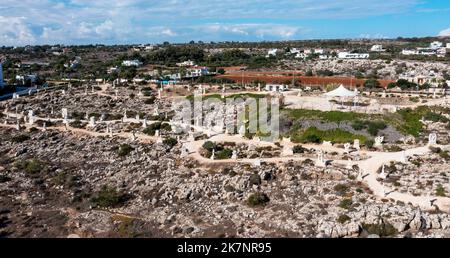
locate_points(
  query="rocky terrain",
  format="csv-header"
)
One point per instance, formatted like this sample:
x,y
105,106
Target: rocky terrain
x,y
60,184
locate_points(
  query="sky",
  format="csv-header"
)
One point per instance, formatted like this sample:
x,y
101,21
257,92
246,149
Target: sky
x,y
76,22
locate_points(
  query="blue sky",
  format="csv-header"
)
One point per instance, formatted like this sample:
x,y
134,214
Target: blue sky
x,y
153,21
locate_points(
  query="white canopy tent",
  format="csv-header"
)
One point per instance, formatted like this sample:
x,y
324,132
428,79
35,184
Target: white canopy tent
x,y
342,93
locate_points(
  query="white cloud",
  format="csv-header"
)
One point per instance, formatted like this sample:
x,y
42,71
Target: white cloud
x,y
126,21
15,31
444,33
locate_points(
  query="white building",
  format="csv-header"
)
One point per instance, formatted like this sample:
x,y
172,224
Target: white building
x,y
448,46
276,87
347,55
409,52
186,63
319,51
197,71
435,45
324,57
301,55
272,52
129,63
294,51
32,77
377,48
1,77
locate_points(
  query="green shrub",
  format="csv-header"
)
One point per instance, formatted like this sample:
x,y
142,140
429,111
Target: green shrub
x,y
444,154
124,150
107,197
358,125
341,189
315,135
374,127
255,179
257,199
431,116
440,191
369,143
345,203
343,218
209,146
32,166
383,229
224,154
170,142
299,149
20,138
4,178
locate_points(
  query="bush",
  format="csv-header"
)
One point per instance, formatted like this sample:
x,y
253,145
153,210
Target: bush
x,y
32,166
358,125
4,178
257,199
150,101
383,229
315,135
170,142
299,149
343,218
20,138
124,150
374,127
444,154
209,146
440,191
76,124
369,143
346,203
341,189
224,154
435,117
108,197
255,179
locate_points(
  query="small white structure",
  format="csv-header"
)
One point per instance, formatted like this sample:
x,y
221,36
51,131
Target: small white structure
x,y
347,55
432,139
356,144
213,155
327,143
257,162
377,48
383,174
234,155
379,141
272,52
276,87
129,63
242,131
347,147
320,159
144,123
92,121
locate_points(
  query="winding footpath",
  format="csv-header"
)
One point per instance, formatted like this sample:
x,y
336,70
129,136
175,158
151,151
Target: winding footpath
x,y
369,166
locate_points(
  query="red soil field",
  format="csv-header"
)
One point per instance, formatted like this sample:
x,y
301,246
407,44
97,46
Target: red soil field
x,y
281,77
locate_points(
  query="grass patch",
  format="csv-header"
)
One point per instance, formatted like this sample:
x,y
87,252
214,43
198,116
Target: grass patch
x,y
124,150
258,199
108,197
314,135
343,218
20,138
383,229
